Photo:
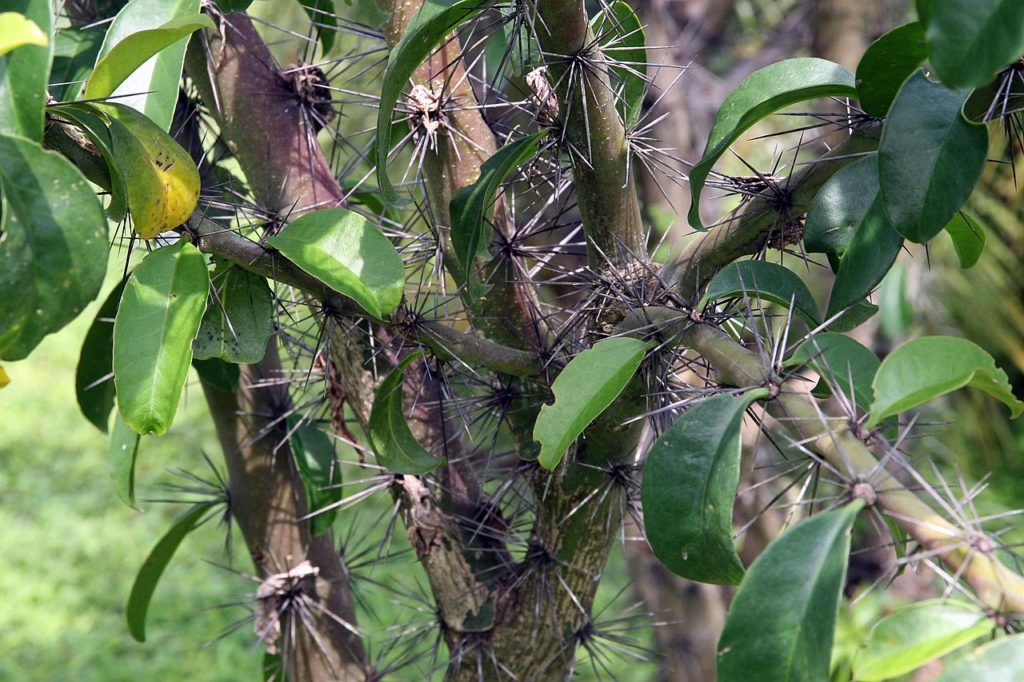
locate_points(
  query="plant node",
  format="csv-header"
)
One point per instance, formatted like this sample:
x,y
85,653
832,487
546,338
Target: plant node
x,y
310,85
280,596
862,490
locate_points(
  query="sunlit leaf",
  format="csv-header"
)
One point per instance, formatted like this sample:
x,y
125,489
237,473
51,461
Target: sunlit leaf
x,y
968,239
24,72
999,661
239,318
16,30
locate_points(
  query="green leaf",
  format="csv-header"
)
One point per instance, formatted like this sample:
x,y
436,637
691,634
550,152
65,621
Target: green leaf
x,y
471,205
219,374
321,14
916,634
124,448
886,64
53,253
760,94
925,368
583,389
929,158
970,40
95,125
839,207
153,568
782,620
999,661
968,239
767,281
392,441
142,56
870,254
435,20
624,45
319,471
94,378
74,53
689,486
162,305
894,302
23,75
854,316
17,30
348,254
239,318
841,362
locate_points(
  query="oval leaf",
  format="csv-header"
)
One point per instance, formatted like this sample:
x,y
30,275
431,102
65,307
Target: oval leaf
x,y
124,448
239,318
319,471
929,158
841,362
886,64
94,378
916,634
689,486
767,281
782,621
16,30
925,368
435,20
392,441
53,254
871,252
969,40
23,75
153,568
587,385
348,254
968,239
839,207
217,373
762,93
162,305
621,38
142,55
998,661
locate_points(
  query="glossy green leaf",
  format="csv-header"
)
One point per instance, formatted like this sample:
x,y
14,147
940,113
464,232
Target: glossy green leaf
x,y
124,449
968,239
239,318
767,281
886,64
870,254
925,368
970,40
162,305
23,75
53,254
622,40
348,254
17,30
762,93
999,661
841,362
153,568
929,158
583,389
839,207
435,20
142,56
471,205
218,373
321,14
320,472
782,620
854,316
74,53
95,125
916,634
94,377
392,441
689,486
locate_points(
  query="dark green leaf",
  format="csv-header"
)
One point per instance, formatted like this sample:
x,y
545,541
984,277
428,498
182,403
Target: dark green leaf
x,y
886,64
689,486
897,311
239,318
839,207
124,448
435,20
53,254
969,40
998,661
347,254
622,39
93,123
162,305
782,620
153,568
870,254
23,75
841,362
762,93
916,634
929,158
319,471
968,239
767,281
217,373
74,53
94,378
927,367
854,316
321,14
392,441
583,389
142,55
